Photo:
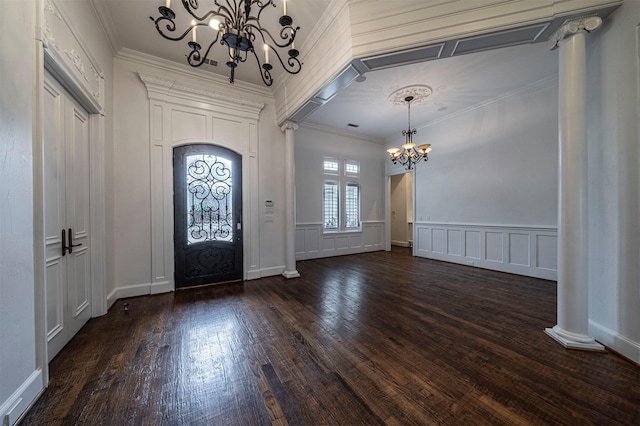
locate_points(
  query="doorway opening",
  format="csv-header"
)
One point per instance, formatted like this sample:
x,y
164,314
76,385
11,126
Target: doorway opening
x,y
401,205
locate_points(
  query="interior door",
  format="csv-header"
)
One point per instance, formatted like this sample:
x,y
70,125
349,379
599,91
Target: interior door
x,y
66,216
207,215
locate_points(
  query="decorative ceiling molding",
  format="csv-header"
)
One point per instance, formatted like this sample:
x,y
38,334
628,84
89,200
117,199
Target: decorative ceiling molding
x,y
420,93
160,84
185,70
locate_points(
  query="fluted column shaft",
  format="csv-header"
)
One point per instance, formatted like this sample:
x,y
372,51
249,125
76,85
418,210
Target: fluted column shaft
x,y
290,201
572,329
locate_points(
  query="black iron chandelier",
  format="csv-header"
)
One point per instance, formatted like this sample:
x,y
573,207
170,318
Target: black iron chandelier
x,y
409,155
236,24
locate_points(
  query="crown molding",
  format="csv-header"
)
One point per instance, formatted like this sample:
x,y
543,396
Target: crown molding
x,y
108,27
175,68
162,86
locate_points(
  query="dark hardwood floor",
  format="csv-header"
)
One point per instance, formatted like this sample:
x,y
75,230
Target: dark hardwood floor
x,y
367,339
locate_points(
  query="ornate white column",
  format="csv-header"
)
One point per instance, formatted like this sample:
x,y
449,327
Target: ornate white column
x,y
572,329
290,201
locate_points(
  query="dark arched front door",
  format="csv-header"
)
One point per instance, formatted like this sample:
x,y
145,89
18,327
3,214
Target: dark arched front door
x,y
207,199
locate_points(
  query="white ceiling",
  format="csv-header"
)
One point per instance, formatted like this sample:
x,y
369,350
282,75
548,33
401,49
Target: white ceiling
x,y
458,82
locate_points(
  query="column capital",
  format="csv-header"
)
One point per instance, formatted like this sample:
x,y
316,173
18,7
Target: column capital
x,y
573,26
289,125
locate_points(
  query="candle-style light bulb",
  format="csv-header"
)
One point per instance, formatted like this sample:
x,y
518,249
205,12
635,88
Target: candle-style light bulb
x,y
193,22
284,4
168,4
266,53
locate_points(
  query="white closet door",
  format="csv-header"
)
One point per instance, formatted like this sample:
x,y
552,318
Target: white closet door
x,y
66,211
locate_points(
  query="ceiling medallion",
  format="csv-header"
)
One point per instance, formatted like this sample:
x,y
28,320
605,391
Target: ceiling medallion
x,y
418,92
237,25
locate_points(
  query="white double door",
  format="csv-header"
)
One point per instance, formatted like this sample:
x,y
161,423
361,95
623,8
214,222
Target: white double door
x,y
66,216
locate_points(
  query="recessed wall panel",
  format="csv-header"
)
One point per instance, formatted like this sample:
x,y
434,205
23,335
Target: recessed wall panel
x,y
300,241
228,132
472,244
188,125
454,242
424,242
493,247
547,252
312,239
342,243
328,243
156,129
437,240
519,252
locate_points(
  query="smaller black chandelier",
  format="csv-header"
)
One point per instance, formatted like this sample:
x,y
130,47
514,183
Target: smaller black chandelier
x,y
410,154
234,25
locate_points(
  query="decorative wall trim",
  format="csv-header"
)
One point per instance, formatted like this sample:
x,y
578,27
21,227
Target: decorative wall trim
x,y
159,88
21,399
523,250
60,36
614,340
312,243
185,70
211,118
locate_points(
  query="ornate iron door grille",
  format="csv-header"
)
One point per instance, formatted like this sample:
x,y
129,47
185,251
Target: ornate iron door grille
x,y
209,199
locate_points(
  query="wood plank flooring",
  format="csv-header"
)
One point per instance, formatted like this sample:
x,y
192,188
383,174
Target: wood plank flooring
x,y
379,338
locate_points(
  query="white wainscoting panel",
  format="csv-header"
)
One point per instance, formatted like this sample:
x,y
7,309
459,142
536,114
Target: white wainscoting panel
x,y
312,243
530,251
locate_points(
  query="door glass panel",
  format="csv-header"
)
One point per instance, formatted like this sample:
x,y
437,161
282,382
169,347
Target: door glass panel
x,y
209,196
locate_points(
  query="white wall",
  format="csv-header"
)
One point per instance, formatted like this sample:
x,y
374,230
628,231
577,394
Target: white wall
x,y
488,194
613,77
132,173
18,369
311,146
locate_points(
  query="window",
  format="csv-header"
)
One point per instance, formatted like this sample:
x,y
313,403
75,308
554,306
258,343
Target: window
x,y
331,166
331,205
352,168
341,196
352,205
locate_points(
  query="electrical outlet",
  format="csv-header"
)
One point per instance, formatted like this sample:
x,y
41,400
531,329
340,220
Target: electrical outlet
x,y
470,263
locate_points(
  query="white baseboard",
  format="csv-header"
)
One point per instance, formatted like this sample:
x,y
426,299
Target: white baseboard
x,y
400,243
615,341
23,397
161,287
112,297
272,271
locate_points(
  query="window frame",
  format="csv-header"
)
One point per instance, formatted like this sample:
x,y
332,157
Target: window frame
x,y
342,179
